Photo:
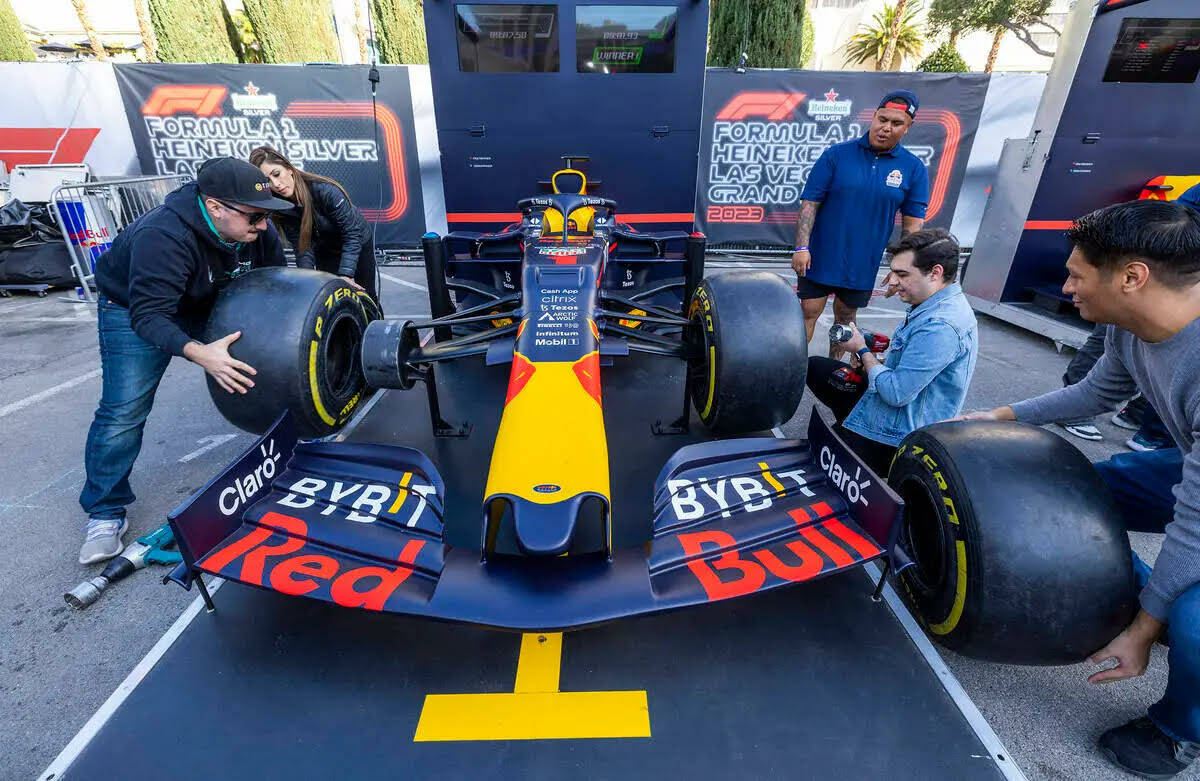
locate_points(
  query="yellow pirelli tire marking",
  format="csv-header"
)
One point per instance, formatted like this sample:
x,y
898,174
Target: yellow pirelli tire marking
x,y
535,709
315,386
960,594
712,381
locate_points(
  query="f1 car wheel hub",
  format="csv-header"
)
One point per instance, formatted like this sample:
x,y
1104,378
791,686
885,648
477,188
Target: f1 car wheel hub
x,y
924,537
341,355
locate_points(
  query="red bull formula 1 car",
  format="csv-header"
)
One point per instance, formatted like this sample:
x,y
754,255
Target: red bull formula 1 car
x,y
560,295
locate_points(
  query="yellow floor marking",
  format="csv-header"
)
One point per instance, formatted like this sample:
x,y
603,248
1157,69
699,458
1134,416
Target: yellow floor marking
x,y
537,666
536,709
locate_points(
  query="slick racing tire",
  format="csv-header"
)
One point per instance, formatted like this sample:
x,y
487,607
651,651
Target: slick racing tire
x,y
1020,555
747,373
302,331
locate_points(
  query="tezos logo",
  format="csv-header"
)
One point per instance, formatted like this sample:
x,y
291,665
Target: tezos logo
x,y
830,108
850,487
547,488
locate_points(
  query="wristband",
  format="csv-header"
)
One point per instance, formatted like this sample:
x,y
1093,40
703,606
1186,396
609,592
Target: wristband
x,y
801,249
859,352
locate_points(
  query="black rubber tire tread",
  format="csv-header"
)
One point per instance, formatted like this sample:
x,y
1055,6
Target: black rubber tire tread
x,y
282,313
751,328
1049,576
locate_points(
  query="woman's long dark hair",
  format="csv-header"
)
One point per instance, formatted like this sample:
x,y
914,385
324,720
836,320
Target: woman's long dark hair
x,y
300,192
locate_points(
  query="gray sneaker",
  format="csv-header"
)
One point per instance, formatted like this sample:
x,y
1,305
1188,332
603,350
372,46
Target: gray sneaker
x,y
103,540
1083,431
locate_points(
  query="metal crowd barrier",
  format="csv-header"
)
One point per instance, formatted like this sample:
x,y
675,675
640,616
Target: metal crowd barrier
x,y
91,214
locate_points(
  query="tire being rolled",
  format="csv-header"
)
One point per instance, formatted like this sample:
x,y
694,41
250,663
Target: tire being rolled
x,y
302,331
748,371
1021,556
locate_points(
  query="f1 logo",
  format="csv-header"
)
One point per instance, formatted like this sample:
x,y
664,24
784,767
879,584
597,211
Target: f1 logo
x,y
168,99
774,106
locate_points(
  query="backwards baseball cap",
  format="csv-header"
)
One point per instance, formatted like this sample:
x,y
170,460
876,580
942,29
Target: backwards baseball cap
x,y
901,100
236,181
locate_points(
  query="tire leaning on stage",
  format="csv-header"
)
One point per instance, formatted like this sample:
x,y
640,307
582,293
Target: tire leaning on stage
x,y
748,371
302,332
1020,555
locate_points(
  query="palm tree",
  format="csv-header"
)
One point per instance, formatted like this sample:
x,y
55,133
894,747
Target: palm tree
x,y
894,31
871,41
360,29
86,22
148,41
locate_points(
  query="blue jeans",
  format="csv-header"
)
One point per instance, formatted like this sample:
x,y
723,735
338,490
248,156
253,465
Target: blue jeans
x,y
132,369
1141,483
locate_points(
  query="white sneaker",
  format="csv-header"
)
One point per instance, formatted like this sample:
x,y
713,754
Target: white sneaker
x,y
1083,431
103,540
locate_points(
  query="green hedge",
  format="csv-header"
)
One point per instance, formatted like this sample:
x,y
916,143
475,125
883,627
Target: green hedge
x,y
13,45
400,31
294,30
781,33
191,31
945,59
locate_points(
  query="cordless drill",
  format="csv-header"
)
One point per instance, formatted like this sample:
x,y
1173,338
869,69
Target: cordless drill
x,y
847,378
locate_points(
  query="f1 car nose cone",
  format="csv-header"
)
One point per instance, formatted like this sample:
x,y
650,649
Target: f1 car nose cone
x,y
554,528
544,529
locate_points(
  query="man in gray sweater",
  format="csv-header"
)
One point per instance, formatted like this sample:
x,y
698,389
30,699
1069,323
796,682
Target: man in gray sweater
x,y
1136,266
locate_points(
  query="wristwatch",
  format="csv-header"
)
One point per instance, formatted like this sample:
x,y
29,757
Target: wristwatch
x,y
859,352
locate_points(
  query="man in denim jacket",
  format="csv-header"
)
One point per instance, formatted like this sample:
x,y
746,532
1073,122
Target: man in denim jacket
x,y
925,375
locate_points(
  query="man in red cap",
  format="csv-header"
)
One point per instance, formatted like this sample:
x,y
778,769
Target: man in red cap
x,y
857,187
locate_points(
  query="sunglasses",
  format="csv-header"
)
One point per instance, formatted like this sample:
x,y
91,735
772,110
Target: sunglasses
x,y
254,218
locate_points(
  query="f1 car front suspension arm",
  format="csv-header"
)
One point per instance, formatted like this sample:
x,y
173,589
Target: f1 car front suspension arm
x,y
650,309
471,316
647,318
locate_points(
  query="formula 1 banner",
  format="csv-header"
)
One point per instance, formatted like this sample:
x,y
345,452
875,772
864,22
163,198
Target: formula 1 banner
x,y
764,130
320,117
64,113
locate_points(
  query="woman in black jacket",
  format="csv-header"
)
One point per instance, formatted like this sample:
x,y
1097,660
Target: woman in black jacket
x,y
326,230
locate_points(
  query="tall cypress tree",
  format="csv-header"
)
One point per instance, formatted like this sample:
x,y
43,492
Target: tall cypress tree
x,y
294,30
13,45
400,31
781,33
191,31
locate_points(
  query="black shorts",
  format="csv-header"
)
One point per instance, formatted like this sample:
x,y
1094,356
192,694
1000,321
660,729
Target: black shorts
x,y
855,299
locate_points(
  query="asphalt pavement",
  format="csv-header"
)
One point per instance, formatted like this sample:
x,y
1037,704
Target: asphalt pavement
x,y
59,665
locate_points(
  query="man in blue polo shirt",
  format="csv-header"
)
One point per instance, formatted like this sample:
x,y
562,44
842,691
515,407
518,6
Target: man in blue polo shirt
x,y
857,187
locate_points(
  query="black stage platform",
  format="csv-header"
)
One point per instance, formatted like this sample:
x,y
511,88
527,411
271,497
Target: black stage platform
x,y
812,681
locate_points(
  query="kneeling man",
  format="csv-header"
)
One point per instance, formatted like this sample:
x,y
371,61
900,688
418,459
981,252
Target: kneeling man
x,y
1136,266
924,377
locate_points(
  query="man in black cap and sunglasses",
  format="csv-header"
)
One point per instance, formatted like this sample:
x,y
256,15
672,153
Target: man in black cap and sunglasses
x,y
157,285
